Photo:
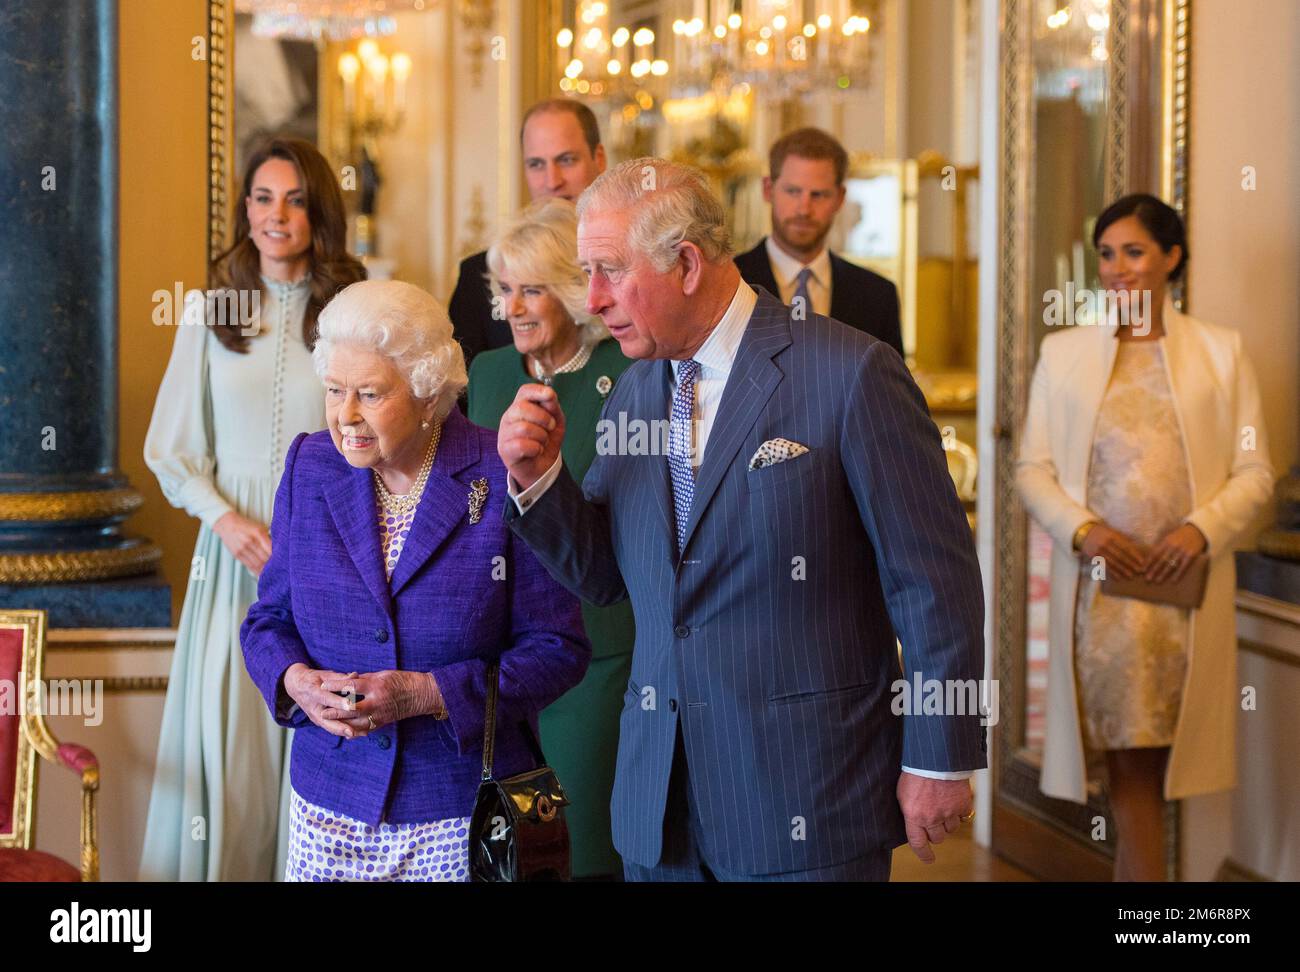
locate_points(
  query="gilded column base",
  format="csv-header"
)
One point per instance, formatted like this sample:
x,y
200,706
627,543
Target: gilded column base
x,y
88,504
132,557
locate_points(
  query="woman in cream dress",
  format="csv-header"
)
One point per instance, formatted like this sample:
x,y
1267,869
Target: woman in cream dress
x,y
235,394
1143,447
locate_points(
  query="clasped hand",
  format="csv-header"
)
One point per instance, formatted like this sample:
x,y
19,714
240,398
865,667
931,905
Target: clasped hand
x,y
385,697
1168,560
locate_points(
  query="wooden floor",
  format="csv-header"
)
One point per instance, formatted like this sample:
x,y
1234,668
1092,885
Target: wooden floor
x,y
958,858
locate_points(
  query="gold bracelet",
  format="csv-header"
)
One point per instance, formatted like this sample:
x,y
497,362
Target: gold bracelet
x,y
1081,534
439,706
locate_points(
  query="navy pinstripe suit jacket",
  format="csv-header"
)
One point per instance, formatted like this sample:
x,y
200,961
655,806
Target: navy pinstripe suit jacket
x,y
771,639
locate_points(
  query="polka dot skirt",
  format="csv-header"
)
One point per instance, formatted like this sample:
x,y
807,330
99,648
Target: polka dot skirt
x,y
328,846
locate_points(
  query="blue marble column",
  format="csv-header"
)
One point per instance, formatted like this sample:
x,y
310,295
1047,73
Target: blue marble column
x,y
62,496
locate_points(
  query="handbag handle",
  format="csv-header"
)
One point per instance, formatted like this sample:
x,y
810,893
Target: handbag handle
x,y
490,726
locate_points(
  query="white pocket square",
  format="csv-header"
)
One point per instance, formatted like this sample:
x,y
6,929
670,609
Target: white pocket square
x,y
776,450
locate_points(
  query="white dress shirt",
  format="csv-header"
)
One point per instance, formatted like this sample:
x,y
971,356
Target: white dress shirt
x,y
786,270
716,356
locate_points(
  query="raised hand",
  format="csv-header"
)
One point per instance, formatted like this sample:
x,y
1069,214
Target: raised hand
x,y
531,432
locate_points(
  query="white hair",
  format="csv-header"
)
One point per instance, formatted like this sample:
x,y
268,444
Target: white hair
x,y
406,325
540,246
670,204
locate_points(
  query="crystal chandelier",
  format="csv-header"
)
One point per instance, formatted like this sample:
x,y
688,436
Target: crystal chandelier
x,y
600,62
790,48
1070,48
334,20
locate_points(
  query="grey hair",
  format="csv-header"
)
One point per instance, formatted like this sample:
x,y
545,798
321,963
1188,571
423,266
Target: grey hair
x,y
406,325
540,246
670,203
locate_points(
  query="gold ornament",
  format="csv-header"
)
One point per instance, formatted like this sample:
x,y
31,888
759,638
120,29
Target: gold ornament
x,y
477,497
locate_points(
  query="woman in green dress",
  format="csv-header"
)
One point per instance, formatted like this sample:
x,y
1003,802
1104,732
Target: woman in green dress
x,y
540,289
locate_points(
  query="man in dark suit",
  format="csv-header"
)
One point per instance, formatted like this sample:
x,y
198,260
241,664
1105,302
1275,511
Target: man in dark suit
x,y
805,186
796,516
562,155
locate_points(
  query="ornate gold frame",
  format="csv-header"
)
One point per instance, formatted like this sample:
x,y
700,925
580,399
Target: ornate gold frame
x,y
221,92
36,740
1015,774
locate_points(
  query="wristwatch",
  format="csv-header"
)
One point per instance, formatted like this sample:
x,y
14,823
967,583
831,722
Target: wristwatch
x,y
1081,534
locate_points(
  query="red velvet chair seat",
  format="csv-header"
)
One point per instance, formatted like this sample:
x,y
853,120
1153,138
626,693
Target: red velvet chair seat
x,y
17,864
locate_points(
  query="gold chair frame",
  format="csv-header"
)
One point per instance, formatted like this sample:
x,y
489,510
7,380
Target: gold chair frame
x,y
36,740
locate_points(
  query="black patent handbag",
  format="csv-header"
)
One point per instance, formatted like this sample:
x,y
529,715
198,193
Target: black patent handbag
x,y
517,831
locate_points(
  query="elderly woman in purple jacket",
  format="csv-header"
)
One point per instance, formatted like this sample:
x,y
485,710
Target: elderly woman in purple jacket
x,y
393,584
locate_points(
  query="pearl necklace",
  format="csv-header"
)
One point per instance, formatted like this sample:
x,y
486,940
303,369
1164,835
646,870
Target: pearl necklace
x,y
400,505
576,363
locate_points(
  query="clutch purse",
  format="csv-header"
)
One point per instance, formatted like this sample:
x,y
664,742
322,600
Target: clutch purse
x,y
1188,592
517,831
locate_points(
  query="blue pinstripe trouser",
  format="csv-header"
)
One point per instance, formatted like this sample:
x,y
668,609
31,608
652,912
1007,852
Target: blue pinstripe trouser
x,y
685,854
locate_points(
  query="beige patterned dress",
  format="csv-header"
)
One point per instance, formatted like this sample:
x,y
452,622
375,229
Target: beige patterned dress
x,y
1130,656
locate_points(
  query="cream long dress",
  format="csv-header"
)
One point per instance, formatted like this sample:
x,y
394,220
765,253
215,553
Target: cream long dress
x,y
220,427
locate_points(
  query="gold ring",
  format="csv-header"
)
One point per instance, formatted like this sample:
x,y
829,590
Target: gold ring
x,y
371,719
968,818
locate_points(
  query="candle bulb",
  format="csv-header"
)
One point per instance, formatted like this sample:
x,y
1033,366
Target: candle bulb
x,y
379,75
565,41
349,66
401,71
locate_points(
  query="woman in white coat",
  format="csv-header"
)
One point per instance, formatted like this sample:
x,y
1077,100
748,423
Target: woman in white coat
x,y
235,394
1143,446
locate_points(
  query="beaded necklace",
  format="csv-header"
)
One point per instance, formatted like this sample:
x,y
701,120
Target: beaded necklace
x,y
405,503
576,363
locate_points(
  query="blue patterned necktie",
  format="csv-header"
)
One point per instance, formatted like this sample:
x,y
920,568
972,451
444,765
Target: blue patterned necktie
x,y
680,427
802,291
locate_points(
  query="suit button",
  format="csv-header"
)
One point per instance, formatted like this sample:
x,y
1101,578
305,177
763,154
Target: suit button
x,y
672,705
383,742
381,635
682,631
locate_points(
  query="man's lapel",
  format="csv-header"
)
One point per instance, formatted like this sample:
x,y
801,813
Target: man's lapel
x,y
657,406
841,292
766,276
752,380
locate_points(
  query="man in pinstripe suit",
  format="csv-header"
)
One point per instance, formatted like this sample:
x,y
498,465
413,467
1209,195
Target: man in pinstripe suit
x,y
801,519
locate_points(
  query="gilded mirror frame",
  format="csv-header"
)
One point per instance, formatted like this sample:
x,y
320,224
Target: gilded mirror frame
x,y
221,96
1143,139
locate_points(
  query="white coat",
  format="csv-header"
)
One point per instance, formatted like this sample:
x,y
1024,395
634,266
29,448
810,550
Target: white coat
x,y
1216,399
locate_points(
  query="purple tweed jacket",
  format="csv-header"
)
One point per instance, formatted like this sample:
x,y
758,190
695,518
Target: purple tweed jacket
x,y
462,596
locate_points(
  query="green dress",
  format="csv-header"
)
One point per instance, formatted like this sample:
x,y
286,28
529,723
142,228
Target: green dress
x,y
580,729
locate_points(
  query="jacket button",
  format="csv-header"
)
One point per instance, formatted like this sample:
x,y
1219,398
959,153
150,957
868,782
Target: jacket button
x,y
383,742
672,705
682,631
381,635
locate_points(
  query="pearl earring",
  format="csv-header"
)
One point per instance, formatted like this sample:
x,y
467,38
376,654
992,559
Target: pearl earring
x,y
424,425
